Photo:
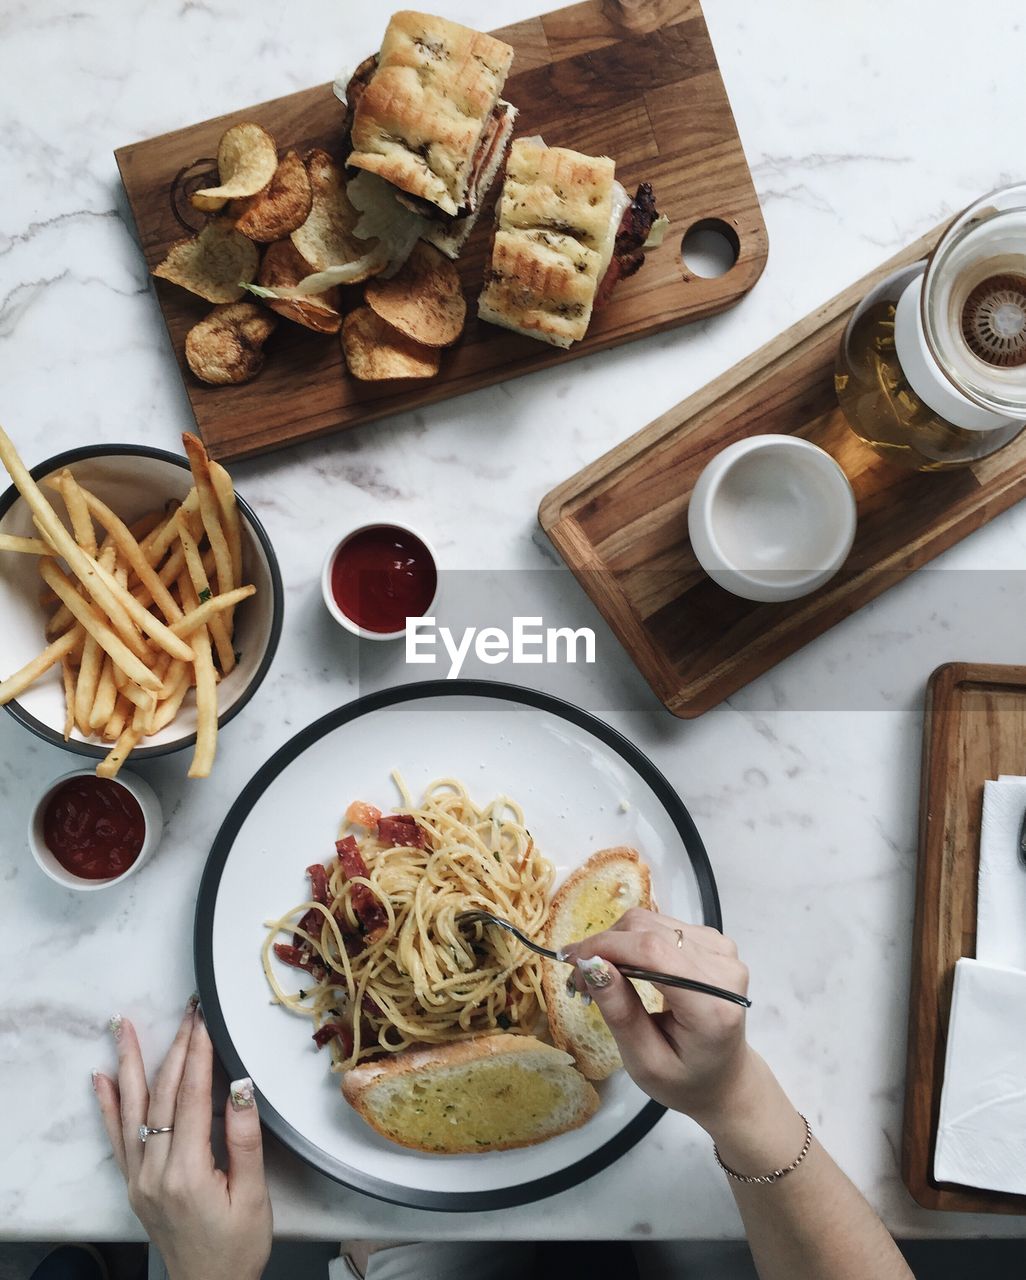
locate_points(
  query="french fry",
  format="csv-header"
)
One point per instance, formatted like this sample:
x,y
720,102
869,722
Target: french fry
x,y
28,546
115,725
92,657
158,631
78,513
88,679
158,546
210,510
126,545
206,690
61,620
160,667
106,696
24,676
68,672
110,765
199,618
80,563
139,697
168,709
178,673
96,625
230,522
218,624
147,525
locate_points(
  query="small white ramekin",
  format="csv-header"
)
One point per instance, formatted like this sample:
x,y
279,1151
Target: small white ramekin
x,y
332,604
153,824
772,518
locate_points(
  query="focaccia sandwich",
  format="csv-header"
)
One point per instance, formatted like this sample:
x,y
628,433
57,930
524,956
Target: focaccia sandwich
x,y
427,118
566,232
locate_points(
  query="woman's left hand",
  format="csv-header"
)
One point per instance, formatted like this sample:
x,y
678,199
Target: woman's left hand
x,y
207,1224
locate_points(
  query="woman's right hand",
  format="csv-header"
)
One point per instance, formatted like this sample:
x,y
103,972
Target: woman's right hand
x,y
693,1056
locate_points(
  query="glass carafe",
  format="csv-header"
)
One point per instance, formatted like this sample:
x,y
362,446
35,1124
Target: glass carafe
x,y
932,367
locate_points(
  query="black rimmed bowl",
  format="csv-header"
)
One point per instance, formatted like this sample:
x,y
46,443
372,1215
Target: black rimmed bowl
x,y
132,480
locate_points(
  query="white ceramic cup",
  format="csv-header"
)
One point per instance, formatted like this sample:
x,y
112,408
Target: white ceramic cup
x,y
329,598
772,518
153,827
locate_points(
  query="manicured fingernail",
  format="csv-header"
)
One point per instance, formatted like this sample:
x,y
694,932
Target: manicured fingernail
x,y
561,953
241,1092
571,987
94,1076
115,1025
595,972
586,999
192,1004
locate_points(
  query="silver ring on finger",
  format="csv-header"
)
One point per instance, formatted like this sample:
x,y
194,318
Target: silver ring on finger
x,y
147,1131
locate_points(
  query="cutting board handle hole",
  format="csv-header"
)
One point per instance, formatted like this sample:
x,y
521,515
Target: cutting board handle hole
x,y
709,249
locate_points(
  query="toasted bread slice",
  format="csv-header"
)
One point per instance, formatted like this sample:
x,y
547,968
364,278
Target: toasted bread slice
x,y
594,897
552,242
490,1093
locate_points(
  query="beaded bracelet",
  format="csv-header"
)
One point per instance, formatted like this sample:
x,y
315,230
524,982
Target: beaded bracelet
x,y
777,1173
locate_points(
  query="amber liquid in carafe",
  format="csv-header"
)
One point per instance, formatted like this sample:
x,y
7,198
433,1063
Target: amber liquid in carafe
x,y
882,408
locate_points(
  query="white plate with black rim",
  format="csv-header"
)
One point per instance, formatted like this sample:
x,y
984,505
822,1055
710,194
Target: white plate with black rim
x,y
583,787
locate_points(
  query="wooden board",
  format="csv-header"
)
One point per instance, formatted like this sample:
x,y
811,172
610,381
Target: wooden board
x,y
621,523
974,730
638,82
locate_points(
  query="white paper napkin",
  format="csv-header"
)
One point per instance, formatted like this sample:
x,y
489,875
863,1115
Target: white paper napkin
x,y
981,1137
1001,912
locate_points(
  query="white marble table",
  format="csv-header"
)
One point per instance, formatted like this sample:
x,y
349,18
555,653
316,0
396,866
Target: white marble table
x,y
864,127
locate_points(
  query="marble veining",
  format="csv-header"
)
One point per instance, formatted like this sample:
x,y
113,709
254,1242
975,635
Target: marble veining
x,y
864,127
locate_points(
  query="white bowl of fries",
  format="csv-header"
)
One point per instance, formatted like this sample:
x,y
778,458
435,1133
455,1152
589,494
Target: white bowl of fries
x,y
141,599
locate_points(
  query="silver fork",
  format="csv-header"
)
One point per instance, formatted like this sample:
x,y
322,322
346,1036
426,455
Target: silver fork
x,y
628,970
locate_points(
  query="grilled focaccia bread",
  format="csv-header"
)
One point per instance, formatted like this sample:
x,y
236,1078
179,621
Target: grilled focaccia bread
x,y
594,897
567,231
427,116
489,1093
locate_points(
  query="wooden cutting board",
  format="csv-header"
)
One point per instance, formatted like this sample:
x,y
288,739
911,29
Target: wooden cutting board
x,y
637,81
621,523
974,730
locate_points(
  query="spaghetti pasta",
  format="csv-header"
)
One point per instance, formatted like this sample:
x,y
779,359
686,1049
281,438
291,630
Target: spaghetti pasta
x,y
388,968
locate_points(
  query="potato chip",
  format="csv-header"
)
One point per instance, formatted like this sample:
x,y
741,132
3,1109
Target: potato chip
x,y
227,347
247,157
213,264
326,238
207,204
376,352
281,207
423,299
284,266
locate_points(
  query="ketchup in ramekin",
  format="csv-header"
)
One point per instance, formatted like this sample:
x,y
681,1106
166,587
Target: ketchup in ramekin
x,y
94,827
89,833
378,577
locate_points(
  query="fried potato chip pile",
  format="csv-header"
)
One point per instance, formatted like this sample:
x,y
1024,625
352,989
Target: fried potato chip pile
x,y
287,232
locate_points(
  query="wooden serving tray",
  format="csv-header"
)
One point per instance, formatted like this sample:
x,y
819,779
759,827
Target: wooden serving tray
x,y
621,523
639,82
974,730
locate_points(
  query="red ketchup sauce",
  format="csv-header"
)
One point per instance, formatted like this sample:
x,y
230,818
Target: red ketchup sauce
x,y
382,576
94,827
